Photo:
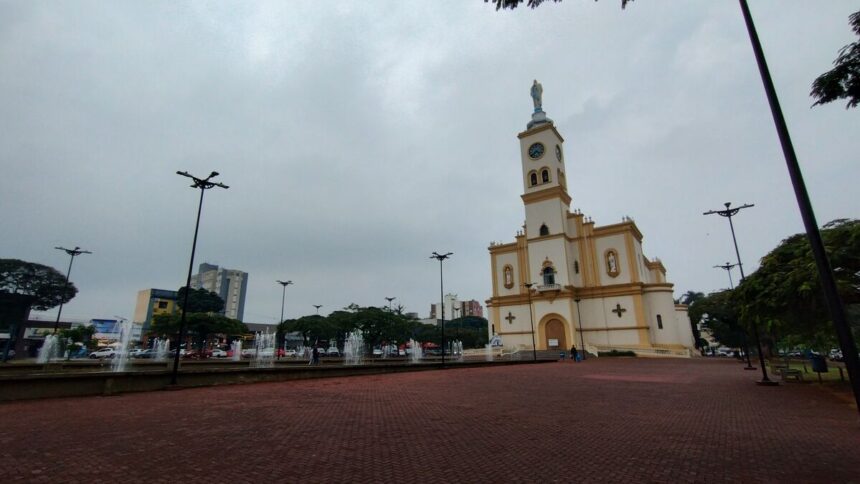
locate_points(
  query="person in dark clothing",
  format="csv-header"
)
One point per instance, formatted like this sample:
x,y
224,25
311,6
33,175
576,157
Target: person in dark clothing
x,y
574,355
315,356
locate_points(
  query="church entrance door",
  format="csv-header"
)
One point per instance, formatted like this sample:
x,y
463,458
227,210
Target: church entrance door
x,y
555,335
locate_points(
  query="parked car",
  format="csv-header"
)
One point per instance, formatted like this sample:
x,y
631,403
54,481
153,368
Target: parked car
x,y
249,352
218,353
377,351
290,353
135,353
103,353
332,352
147,353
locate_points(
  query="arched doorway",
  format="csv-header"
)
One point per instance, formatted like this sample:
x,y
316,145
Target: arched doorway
x,y
555,339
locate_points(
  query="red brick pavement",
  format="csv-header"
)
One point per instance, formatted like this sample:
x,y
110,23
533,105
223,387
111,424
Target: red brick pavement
x,y
607,420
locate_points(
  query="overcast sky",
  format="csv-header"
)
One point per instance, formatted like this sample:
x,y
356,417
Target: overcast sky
x,y
359,137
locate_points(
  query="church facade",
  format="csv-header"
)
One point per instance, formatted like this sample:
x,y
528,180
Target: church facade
x,y
574,282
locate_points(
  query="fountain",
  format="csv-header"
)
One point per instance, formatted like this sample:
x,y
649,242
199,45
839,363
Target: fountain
x,y
236,348
417,354
456,347
120,360
353,348
264,350
50,349
488,352
162,348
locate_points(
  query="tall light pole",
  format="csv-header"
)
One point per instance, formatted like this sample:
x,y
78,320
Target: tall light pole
x,y
531,318
283,297
389,299
455,314
728,268
441,258
728,213
73,253
825,273
281,321
581,336
203,184
317,306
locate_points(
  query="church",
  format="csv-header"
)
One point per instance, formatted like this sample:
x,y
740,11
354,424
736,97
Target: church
x,y
566,281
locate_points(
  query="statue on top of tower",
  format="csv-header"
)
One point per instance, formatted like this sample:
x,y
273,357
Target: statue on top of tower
x,y
537,96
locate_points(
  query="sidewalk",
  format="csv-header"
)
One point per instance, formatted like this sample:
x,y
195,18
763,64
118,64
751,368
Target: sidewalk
x,y
602,420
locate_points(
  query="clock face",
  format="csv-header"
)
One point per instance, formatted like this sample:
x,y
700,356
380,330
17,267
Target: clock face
x,y
558,152
536,151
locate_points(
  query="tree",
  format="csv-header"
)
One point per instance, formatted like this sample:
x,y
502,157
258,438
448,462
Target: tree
x,y
200,301
200,326
843,81
512,4
46,285
785,292
718,312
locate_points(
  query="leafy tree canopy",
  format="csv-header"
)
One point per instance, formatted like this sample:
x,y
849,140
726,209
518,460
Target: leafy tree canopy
x,y
718,312
843,81
200,301
46,284
785,292
79,334
200,325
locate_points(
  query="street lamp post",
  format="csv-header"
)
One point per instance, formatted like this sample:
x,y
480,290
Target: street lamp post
x,y
728,268
728,213
73,253
441,258
283,297
581,336
531,318
203,184
317,306
825,273
389,299
455,314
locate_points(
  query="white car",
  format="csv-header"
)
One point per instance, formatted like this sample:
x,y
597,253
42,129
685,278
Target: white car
x,y
103,353
218,353
290,353
249,352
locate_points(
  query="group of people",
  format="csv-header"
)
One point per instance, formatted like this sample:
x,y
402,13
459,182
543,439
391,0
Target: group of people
x,y
574,354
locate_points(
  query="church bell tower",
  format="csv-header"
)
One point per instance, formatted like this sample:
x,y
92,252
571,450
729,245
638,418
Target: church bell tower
x,y
543,173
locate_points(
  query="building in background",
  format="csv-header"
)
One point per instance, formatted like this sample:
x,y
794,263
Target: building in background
x,y
151,302
454,308
231,285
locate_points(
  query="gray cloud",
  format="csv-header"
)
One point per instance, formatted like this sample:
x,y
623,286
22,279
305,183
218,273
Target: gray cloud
x,y
359,137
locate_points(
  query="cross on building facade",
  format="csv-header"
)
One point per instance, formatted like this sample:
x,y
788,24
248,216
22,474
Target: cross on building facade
x,y
618,310
510,317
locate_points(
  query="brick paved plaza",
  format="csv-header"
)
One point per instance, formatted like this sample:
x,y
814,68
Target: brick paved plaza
x,y
610,420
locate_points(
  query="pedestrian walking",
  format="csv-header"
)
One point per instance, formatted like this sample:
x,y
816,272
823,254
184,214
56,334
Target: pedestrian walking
x,y
315,356
574,355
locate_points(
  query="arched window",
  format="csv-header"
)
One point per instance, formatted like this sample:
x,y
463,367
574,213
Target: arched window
x,y
548,276
544,230
533,179
544,176
659,322
576,266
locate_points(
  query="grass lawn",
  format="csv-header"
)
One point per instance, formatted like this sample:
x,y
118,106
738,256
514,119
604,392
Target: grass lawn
x,y
805,366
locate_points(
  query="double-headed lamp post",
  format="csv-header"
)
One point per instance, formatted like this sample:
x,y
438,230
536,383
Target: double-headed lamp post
x,y
728,266
73,253
441,258
728,213
528,286
389,299
203,184
317,306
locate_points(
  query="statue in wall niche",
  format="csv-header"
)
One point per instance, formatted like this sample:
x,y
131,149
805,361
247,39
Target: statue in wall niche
x,y
537,95
611,263
509,277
